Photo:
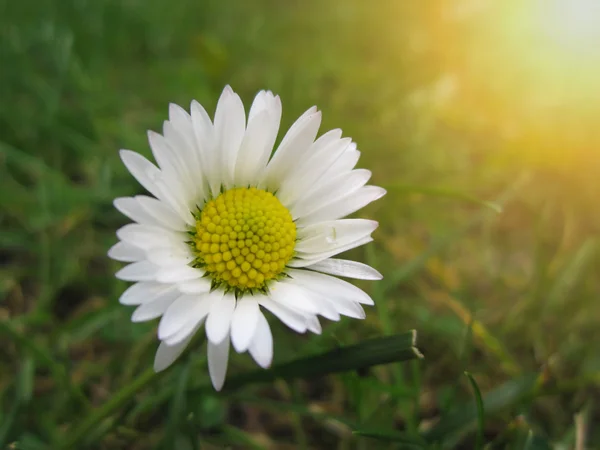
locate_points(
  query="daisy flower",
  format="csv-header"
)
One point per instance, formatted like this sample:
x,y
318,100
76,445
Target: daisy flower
x,y
231,231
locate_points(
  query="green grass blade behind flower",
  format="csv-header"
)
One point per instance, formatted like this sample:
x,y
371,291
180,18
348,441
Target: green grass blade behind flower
x,y
478,330
480,411
575,269
373,352
44,358
503,397
23,394
242,437
407,441
8,419
439,191
73,437
407,270
177,407
33,164
298,408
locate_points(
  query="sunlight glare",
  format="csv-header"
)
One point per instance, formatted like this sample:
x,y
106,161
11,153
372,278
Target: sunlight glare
x,y
572,24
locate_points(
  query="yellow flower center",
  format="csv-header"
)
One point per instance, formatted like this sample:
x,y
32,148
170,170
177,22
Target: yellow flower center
x,y
244,238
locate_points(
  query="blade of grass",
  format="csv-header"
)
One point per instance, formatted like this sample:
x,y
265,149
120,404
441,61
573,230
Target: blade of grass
x,y
479,331
369,353
402,273
505,396
23,392
42,355
177,407
386,325
7,422
439,191
297,408
571,273
242,437
406,440
480,411
118,400
33,164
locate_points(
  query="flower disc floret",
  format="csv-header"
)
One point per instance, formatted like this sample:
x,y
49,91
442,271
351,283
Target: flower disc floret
x,y
244,238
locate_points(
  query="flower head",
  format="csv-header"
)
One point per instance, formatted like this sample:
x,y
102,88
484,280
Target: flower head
x,y
230,231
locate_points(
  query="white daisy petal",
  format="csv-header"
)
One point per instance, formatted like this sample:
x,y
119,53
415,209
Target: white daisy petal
x,y
339,170
144,292
171,165
130,207
197,286
204,137
295,143
263,124
155,308
345,206
230,124
327,236
169,256
167,354
185,308
125,252
243,323
347,269
170,193
326,309
147,237
326,306
162,213
138,271
314,325
296,179
293,296
218,356
178,274
261,347
329,286
179,131
254,150
330,192
186,331
293,319
348,308
179,135
143,170
218,323
311,171
344,163
308,259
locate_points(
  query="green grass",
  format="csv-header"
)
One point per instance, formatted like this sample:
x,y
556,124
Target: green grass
x,y
511,296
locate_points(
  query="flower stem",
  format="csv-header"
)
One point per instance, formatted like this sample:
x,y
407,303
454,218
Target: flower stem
x,y
80,432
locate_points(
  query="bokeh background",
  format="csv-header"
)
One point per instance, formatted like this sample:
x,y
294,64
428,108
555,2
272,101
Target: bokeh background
x,y
461,108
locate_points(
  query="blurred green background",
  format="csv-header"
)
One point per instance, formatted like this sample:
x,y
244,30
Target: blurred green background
x,y
452,103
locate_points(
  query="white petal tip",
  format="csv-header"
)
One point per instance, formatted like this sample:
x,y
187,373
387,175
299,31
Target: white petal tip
x,y
136,319
376,275
159,368
218,385
126,155
265,364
